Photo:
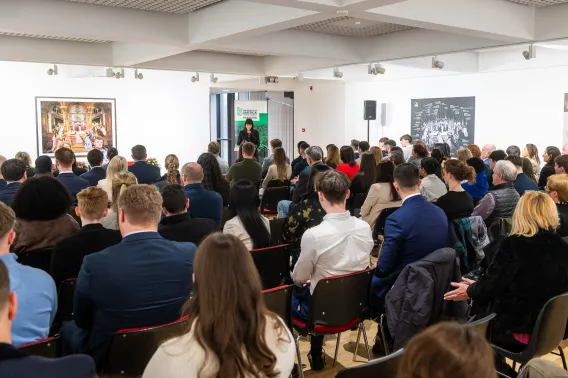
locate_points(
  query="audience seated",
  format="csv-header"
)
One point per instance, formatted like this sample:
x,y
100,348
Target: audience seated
x,y
363,147
245,222
43,166
253,340
480,186
117,164
302,164
561,164
396,157
144,172
376,150
531,152
528,170
300,155
355,147
388,145
431,187
550,153
267,163
447,350
95,158
332,159
362,181
15,363
501,200
212,177
557,189
529,268
42,207
408,237
463,154
248,169
314,158
419,152
494,157
381,195
441,158
142,281
279,169
457,203
65,158
172,175
513,150
340,244
349,165
111,153
475,150
2,180
35,289
406,143
203,203
522,182
214,148
14,174
120,182
68,253
27,159
179,225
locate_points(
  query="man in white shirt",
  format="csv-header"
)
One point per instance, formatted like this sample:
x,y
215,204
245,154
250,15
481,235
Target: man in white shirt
x,y
406,143
431,187
341,244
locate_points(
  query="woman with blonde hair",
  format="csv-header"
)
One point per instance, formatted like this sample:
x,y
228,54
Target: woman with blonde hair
x,y
531,152
26,158
378,154
120,183
529,268
279,170
117,165
464,154
172,175
332,159
557,189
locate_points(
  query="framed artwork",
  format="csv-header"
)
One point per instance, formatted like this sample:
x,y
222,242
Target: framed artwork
x,y
80,124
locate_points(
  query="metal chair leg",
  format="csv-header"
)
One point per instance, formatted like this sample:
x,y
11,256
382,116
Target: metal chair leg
x,y
366,341
383,337
336,348
514,365
562,357
298,355
357,345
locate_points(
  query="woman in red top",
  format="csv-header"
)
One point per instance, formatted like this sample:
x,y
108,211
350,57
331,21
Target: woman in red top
x,y
349,166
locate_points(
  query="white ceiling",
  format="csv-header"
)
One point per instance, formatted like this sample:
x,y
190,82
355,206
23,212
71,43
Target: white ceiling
x,y
169,6
540,3
354,27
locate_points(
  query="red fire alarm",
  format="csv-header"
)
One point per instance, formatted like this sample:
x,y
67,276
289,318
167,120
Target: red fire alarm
x,y
303,130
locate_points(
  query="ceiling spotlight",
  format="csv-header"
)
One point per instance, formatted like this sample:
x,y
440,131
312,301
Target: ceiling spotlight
x,y
271,80
213,79
531,53
299,77
337,74
53,71
342,13
376,69
137,75
195,78
437,63
117,75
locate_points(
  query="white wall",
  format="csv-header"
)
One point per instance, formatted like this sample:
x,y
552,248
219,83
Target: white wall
x,y
165,111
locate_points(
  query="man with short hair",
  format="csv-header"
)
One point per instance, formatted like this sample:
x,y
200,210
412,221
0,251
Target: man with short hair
x,y
355,147
215,148
431,187
43,166
300,157
486,151
179,225
112,152
513,150
406,143
203,203
2,180
341,244
522,183
561,164
64,158
501,200
98,144
397,157
144,172
274,144
68,254
14,172
248,169
493,158
364,146
142,281
302,164
382,142
97,172
35,288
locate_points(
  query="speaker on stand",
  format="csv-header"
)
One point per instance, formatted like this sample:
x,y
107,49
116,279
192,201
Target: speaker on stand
x,y
370,114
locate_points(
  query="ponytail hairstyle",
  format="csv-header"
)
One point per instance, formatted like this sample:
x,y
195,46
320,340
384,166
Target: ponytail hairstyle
x,y
120,182
172,166
460,170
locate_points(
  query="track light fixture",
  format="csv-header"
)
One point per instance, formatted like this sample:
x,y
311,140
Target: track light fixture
x,y
531,53
376,69
337,74
437,63
117,75
271,80
300,77
195,79
213,79
138,75
53,71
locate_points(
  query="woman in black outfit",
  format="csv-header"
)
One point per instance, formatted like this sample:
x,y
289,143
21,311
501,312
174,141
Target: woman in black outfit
x,y
212,177
249,134
457,203
550,153
366,176
440,157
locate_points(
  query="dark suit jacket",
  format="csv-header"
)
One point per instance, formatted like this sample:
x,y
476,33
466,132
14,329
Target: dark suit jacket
x,y
545,173
68,254
144,172
73,183
304,180
94,175
140,282
3,184
184,228
412,232
299,167
254,137
8,193
204,203
15,363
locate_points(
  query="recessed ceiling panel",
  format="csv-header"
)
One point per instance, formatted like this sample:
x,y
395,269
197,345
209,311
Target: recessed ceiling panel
x,y
24,35
540,3
168,6
352,27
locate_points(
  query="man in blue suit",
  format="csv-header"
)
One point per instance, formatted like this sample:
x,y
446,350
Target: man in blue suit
x,y
412,232
97,173
203,203
142,281
14,172
144,172
64,159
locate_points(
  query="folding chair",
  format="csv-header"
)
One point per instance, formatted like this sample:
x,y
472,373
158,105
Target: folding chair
x,y
499,226
65,300
43,348
384,367
481,326
271,196
277,230
379,230
225,216
39,258
273,265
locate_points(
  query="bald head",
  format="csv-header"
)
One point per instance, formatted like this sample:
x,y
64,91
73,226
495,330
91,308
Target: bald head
x,y
487,150
192,173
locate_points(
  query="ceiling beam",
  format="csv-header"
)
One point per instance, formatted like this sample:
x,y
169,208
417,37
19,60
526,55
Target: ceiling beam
x,y
293,65
550,22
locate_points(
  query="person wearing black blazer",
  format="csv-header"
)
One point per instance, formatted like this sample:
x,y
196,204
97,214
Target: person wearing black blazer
x,y
97,173
550,153
144,172
64,159
249,134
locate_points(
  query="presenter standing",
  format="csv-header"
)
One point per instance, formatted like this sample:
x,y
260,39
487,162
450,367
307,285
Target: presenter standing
x,y
249,134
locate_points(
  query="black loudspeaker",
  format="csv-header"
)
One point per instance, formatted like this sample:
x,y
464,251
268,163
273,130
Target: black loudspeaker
x,y
370,110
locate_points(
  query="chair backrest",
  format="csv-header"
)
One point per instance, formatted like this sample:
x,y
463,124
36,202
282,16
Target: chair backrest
x,y
130,350
499,226
43,348
359,200
279,301
278,183
39,258
226,216
384,367
65,300
550,327
277,230
481,326
273,265
339,300
271,196
382,220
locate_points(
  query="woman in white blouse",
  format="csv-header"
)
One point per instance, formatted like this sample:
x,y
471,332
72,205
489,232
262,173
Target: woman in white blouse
x,y
117,164
279,170
381,195
230,333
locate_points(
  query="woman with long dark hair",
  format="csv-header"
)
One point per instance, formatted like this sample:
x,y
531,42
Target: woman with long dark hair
x,y
439,155
230,332
550,153
366,176
212,177
245,221
349,166
381,195
279,170
249,134
531,152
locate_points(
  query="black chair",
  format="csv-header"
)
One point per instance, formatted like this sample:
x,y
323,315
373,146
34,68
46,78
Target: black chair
x,y
65,300
384,367
338,304
273,265
498,227
43,348
39,258
225,216
130,350
271,196
278,183
277,230
547,333
481,326
379,230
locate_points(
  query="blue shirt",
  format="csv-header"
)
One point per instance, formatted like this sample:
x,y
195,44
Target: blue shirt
x,y
37,301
